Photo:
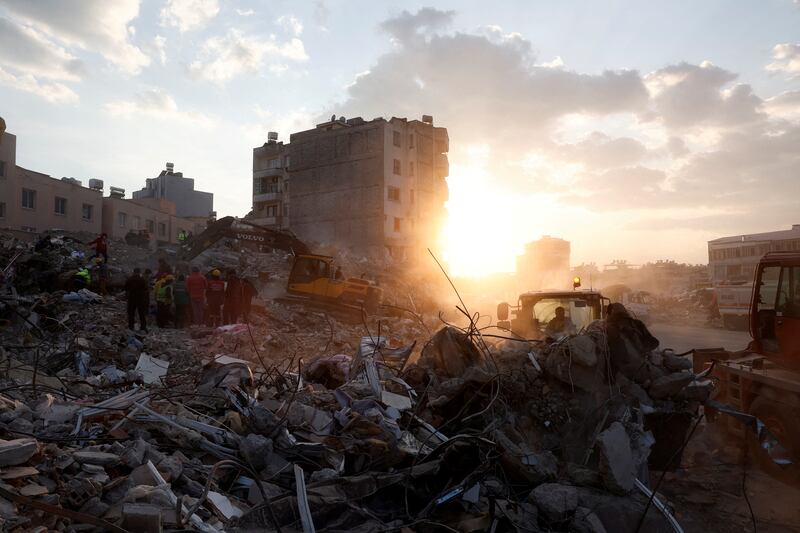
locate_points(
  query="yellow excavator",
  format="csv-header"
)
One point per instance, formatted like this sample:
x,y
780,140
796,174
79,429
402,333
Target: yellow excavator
x,y
312,278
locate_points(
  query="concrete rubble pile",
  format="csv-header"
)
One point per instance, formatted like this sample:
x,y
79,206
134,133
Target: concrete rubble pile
x,y
298,422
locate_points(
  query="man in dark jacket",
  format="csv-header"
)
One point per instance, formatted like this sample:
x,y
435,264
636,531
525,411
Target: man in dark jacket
x,y
233,298
138,294
215,294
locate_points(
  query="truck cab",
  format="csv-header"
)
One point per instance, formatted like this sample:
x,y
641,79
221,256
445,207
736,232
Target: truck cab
x,y
536,310
775,309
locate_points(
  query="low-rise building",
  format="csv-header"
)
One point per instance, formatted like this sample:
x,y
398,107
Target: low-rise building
x,y
172,186
33,202
156,216
734,259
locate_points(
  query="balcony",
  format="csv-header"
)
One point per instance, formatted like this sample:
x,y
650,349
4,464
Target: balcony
x,y
276,222
268,197
442,165
267,173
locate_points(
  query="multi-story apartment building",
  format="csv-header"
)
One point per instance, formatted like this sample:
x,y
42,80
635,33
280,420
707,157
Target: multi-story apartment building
x,y
34,202
172,186
156,215
372,186
271,183
733,259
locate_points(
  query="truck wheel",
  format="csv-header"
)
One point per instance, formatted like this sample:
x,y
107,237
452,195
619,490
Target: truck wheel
x,y
780,420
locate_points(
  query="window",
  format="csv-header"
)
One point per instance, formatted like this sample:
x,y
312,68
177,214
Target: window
x,y
396,166
286,161
122,219
396,224
28,199
137,222
60,206
162,229
411,140
285,210
273,163
411,168
789,293
151,226
87,211
272,210
2,210
2,168
396,138
412,196
393,194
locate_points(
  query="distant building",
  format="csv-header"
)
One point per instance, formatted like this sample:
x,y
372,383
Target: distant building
x,y
271,183
370,186
545,264
172,186
34,202
732,259
156,216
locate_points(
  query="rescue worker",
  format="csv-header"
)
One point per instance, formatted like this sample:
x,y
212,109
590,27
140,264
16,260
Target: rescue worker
x,y
101,246
99,275
81,279
233,298
164,301
560,324
138,294
181,296
248,291
196,285
215,295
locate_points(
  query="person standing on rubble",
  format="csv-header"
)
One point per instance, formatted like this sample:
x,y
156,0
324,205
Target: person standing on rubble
x,y
100,275
196,285
248,291
215,295
81,279
233,298
101,246
181,297
138,294
164,298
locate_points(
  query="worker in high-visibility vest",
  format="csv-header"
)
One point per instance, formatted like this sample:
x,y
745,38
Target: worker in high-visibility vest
x,y
164,301
81,279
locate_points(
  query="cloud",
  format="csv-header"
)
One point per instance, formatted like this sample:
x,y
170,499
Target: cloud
x,y
784,105
291,24
155,103
406,26
27,50
94,25
158,49
686,95
188,15
223,58
599,150
56,93
785,58
245,12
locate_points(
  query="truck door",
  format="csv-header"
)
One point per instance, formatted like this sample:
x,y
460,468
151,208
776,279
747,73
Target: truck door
x,y
787,313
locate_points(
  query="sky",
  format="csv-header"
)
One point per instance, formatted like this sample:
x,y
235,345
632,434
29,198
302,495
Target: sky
x,y
635,130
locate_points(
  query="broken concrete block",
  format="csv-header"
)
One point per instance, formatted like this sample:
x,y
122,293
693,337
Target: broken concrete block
x,y
16,472
151,369
141,517
616,459
257,450
557,502
585,521
582,350
543,465
170,468
33,489
670,385
17,451
96,458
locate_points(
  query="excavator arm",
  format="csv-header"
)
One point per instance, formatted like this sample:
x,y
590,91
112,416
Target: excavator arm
x,y
233,228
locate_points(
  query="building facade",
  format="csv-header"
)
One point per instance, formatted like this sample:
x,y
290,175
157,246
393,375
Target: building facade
x,y
157,216
271,184
172,186
34,202
734,259
372,186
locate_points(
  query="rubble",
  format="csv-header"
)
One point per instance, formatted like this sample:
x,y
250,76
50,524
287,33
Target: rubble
x,y
298,421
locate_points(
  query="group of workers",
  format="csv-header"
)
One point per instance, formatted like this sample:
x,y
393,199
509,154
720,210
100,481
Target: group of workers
x,y
194,299
96,274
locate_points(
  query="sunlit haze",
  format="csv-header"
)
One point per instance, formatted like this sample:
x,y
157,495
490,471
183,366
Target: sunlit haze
x,y
635,130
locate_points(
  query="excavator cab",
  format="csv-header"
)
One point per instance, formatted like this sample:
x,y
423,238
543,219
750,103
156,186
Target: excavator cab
x,y
775,308
313,276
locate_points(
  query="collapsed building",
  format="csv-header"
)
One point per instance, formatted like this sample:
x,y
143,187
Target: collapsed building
x,y
301,421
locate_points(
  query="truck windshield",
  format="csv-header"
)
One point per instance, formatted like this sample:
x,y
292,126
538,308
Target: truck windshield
x,y
578,311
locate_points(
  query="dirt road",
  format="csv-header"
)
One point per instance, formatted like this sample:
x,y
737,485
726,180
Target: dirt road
x,y
684,338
